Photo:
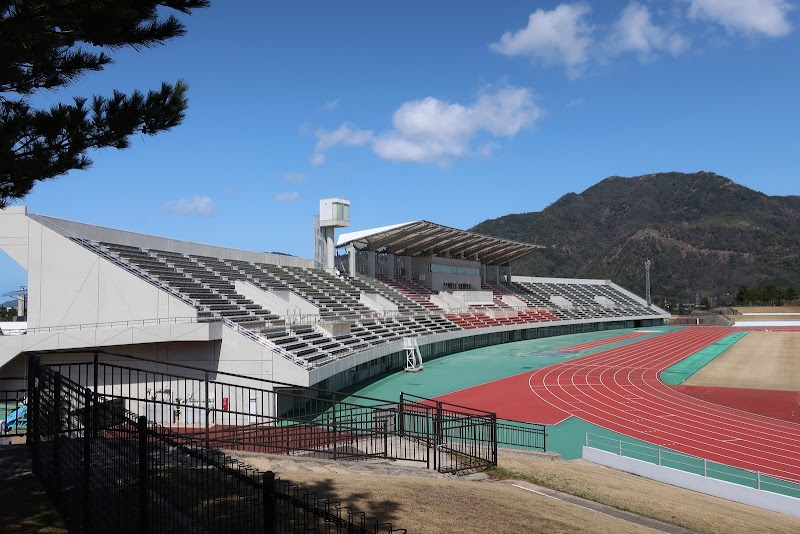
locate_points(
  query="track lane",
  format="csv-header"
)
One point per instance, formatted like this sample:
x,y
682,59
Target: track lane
x,y
620,390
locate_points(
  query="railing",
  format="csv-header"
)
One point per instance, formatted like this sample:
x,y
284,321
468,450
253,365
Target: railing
x,y
462,438
110,471
249,414
695,465
521,434
13,416
115,324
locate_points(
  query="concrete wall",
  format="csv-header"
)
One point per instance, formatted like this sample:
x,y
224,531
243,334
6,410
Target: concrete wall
x,y
279,301
136,339
14,234
710,486
447,302
69,285
474,298
377,302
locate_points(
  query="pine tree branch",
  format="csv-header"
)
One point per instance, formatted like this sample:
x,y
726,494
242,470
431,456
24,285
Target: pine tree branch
x,y
44,47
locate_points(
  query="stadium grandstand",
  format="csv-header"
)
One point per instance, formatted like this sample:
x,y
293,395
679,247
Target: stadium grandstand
x,y
329,322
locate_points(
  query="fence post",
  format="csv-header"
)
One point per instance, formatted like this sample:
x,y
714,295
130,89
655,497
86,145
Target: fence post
x,y
56,430
32,362
96,366
620,447
208,444
659,456
705,468
142,428
33,412
758,479
386,437
494,438
402,425
87,459
335,441
269,503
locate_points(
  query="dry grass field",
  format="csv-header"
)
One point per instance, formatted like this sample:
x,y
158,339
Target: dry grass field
x,y
760,360
426,502
767,309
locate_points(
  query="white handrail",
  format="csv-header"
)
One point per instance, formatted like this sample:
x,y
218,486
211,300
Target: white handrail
x,y
114,324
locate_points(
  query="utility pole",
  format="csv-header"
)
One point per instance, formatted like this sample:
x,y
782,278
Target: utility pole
x,y
647,282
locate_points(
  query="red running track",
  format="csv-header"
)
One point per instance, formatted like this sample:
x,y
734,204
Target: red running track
x,y
601,342
619,389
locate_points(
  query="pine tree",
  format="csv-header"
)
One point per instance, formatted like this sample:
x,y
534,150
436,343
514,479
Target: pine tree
x,y
48,44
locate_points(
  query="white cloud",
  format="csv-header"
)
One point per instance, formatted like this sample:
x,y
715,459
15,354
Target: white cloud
x,y
294,176
436,131
558,36
751,17
635,32
287,197
346,134
330,105
576,102
318,159
197,205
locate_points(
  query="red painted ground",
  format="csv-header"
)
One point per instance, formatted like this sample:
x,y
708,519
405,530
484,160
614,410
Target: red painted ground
x,y
778,404
601,342
619,389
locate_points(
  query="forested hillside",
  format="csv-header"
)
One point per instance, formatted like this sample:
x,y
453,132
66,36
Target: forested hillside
x,y
702,232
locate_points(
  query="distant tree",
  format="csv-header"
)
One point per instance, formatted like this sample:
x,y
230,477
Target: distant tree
x,y
791,294
770,293
7,314
48,44
744,295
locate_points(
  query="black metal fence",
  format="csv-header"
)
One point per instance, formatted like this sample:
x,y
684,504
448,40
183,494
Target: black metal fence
x,y
108,470
236,412
13,406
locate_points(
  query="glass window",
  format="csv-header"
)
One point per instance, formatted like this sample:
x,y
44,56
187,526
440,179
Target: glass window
x,y
454,269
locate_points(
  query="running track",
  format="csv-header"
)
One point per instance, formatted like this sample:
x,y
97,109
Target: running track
x,y
619,389
601,342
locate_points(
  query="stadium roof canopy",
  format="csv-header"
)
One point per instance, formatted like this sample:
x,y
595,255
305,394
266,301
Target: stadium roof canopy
x,y
420,238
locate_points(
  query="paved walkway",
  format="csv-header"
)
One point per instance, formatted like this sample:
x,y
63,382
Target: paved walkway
x,y
601,508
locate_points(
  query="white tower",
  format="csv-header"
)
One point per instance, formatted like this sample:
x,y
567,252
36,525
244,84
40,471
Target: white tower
x,y
647,282
333,213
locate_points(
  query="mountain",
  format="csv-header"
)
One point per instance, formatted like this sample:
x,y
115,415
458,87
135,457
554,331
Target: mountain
x,y
702,232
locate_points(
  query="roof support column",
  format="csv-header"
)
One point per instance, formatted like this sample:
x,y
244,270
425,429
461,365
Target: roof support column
x,y
390,264
371,262
330,257
351,259
497,273
483,274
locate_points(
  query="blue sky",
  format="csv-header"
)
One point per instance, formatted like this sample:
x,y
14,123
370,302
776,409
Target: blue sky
x,y
454,112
